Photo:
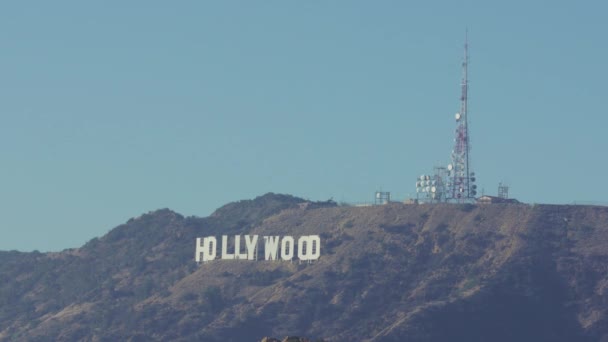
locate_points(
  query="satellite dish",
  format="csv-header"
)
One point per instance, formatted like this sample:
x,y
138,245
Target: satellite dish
x,y
473,192
457,116
450,167
472,174
472,179
433,189
377,195
474,187
428,189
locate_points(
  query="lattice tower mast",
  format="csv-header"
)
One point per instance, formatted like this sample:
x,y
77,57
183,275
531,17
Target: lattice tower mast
x,y
461,187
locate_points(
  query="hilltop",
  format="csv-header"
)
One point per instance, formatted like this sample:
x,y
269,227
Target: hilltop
x,y
500,272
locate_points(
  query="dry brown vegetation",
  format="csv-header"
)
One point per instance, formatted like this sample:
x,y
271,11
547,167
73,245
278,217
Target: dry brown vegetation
x,y
387,273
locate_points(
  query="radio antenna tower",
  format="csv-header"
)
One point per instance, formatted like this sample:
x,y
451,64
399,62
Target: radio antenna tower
x,y
460,185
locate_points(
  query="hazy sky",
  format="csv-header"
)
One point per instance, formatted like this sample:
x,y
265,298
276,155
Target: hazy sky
x,y
110,109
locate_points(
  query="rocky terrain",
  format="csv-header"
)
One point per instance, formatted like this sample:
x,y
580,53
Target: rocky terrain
x,y
397,272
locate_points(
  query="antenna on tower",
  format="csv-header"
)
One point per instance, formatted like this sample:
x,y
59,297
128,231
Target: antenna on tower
x,y
461,179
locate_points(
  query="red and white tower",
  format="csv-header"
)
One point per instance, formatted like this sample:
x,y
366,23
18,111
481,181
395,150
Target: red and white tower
x,y
460,183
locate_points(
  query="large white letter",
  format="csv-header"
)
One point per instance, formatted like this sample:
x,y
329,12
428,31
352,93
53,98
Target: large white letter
x,y
270,247
237,248
313,246
287,251
225,254
199,250
209,246
252,244
207,249
303,243
312,250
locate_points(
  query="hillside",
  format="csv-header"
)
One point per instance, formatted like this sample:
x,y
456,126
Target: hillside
x,y
502,272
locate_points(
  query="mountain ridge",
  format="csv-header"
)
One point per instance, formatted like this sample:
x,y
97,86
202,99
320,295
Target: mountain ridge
x,y
497,272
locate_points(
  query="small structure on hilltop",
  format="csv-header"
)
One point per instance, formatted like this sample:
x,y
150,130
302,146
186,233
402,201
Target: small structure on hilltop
x,y
382,197
503,196
486,199
318,204
503,190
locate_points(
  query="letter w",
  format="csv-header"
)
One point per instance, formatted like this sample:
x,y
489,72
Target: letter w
x,y
271,247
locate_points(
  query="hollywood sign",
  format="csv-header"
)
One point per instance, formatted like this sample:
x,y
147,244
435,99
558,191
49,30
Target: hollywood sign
x,y
308,248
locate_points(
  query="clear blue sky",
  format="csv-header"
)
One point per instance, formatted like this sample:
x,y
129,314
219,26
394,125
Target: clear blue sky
x,y
110,109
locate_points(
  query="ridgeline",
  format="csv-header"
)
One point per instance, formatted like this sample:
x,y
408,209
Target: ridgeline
x,y
396,272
